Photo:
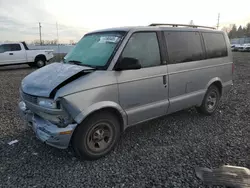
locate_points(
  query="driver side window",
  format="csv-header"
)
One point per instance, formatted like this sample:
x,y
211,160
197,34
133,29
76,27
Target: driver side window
x,y
144,47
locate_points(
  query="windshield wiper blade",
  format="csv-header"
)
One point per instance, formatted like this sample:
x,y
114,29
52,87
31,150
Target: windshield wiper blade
x,y
75,62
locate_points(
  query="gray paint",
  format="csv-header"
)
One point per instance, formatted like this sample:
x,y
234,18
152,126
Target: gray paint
x,y
142,94
46,131
42,81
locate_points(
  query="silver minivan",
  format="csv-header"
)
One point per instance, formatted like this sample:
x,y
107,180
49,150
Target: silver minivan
x,y
119,77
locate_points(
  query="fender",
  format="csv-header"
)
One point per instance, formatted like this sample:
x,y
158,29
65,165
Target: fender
x,y
101,105
212,81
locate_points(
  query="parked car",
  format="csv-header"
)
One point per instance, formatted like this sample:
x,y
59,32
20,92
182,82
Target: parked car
x,y
119,77
247,49
19,53
244,48
235,47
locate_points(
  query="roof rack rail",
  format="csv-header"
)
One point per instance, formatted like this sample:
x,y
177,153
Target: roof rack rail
x,y
183,25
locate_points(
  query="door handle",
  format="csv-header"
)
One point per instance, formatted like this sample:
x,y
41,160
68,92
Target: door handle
x,y
10,53
165,81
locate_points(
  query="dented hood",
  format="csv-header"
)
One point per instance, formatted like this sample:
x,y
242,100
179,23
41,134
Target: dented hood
x,y
43,81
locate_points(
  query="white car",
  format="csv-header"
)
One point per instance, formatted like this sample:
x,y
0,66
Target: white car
x,y
235,47
19,53
244,47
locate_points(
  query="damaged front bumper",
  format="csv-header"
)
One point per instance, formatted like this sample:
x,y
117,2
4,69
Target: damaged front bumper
x,y
46,131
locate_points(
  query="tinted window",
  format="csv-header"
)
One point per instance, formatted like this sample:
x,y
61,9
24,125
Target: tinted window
x,y
15,47
215,45
145,48
4,48
184,46
1,49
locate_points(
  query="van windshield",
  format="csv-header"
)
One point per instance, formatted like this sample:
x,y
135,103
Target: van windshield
x,y
95,50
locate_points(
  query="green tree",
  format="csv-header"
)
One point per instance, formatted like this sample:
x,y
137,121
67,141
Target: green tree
x,y
247,33
240,32
233,33
244,31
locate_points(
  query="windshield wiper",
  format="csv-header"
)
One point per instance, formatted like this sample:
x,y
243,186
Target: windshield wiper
x,y
75,62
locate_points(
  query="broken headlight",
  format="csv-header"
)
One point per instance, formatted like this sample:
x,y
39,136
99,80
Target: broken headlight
x,y
47,103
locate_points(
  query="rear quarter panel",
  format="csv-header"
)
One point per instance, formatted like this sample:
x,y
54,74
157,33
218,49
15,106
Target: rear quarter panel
x,y
31,54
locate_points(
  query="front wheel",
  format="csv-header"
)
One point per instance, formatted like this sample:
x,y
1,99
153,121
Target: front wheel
x,y
96,136
210,101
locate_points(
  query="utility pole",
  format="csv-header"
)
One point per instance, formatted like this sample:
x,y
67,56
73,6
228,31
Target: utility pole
x,y
218,21
57,40
40,32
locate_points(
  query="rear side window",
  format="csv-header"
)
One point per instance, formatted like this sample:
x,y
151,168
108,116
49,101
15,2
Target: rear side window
x,y
215,45
15,47
184,46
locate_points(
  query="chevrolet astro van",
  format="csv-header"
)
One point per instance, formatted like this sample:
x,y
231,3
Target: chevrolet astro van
x,y
119,77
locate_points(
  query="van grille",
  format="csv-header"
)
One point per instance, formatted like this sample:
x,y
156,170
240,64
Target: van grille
x,y
29,98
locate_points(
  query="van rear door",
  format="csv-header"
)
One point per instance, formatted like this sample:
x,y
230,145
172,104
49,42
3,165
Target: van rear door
x,y
186,77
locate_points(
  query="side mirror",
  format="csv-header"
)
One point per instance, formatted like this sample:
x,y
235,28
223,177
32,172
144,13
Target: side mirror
x,y
127,63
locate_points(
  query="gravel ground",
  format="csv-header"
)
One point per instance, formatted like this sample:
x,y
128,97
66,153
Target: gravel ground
x,y
162,152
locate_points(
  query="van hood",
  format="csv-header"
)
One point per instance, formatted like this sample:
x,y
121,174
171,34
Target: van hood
x,y
51,77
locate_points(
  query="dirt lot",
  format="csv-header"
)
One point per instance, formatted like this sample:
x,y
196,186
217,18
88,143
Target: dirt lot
x,y
163,152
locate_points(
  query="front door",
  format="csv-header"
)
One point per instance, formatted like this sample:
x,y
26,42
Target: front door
x,y
12,54
143,93
4,54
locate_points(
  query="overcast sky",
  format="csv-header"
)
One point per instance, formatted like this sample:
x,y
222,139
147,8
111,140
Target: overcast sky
x,y
19,18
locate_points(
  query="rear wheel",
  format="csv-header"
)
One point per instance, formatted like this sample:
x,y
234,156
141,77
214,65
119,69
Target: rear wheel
x,y
40,62
210,101
96,136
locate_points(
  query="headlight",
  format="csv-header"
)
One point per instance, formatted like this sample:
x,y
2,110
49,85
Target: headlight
x,y
47,103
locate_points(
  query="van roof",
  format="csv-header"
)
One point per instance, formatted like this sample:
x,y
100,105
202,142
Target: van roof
x,y
161,27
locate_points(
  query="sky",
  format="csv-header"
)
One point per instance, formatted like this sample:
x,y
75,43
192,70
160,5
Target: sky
x,y
19,18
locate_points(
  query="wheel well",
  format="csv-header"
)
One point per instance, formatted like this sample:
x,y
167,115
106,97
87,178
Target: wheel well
x,y
218,85
111,110
42,57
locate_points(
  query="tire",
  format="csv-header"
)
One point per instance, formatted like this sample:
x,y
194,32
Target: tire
x,y
89,142
210,101
40,62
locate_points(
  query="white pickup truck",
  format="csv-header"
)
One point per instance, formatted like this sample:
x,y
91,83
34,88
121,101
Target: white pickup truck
x,y
19,53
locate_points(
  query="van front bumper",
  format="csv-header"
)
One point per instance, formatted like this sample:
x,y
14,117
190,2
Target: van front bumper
x,y
46,131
